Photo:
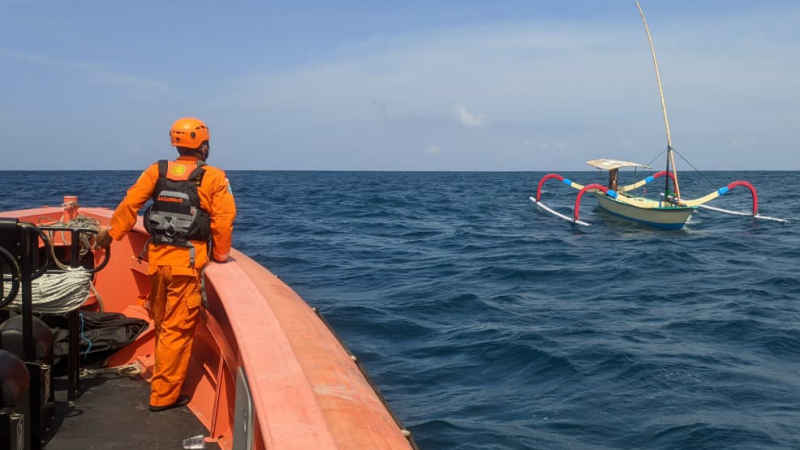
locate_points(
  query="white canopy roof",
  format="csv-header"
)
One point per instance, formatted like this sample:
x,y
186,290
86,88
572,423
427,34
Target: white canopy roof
x,y
611,164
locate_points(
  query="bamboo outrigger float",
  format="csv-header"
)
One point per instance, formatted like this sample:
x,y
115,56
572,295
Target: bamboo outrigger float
x,y
671,211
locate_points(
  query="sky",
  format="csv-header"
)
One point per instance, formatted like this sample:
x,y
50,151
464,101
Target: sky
x,y
415,85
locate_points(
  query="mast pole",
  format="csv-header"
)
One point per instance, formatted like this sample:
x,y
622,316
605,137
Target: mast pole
x,y
670,156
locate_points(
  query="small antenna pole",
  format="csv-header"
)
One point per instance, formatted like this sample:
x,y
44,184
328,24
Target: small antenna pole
x,y
670,156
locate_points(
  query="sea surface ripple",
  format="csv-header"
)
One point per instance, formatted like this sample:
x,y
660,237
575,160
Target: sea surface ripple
x,y
489,325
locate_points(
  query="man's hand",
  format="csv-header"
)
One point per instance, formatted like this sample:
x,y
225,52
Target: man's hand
x,y
103,239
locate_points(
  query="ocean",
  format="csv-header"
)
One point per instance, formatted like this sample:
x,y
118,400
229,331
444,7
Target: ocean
x,y
488,324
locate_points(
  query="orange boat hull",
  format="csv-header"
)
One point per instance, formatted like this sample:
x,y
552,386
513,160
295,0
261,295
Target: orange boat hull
x,y
264,367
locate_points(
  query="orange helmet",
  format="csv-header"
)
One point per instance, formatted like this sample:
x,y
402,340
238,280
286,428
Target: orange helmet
x,y
188,132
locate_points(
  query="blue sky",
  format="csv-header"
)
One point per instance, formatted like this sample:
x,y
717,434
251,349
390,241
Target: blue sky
x,y
467,85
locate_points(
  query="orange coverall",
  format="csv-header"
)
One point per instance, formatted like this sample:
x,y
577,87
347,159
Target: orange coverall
x,y
175,297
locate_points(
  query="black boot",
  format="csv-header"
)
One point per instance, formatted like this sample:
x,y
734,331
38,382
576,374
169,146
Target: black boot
x,y
181,401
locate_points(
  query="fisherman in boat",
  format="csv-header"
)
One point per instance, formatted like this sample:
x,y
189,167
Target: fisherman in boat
x,y
190,221
613,179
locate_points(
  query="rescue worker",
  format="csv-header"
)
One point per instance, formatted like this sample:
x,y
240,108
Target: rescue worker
x,y
193,207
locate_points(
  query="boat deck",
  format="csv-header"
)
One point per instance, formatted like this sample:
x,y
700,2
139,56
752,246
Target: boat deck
x,y
112,414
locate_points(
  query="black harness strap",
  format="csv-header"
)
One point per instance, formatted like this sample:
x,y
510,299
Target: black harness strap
x,y
197,173
163,165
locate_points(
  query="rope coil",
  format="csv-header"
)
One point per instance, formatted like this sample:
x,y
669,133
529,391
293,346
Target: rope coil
x,y
57,293
65,291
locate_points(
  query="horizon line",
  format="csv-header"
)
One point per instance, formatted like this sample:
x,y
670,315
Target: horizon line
x,y
403,170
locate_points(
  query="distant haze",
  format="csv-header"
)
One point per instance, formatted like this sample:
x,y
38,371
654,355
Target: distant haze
x,y
412,86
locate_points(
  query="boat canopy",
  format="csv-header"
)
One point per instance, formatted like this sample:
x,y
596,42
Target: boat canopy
x,y
611,164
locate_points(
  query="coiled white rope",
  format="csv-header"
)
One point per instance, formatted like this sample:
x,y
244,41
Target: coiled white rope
x,y
61,292
57,293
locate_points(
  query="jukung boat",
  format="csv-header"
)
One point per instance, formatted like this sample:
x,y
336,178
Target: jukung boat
x,y
671,211
267,372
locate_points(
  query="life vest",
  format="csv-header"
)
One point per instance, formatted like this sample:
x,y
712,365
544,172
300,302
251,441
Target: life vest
x,y
175,217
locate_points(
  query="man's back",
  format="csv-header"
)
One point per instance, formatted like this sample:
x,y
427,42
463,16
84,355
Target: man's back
x,y
215,198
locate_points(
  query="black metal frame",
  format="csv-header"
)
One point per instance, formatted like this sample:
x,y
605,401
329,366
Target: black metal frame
x,y
73,319
23,239
12,426
19,234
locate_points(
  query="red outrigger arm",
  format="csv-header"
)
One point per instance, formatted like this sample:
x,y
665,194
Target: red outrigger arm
x,y
662,173
752,191
649,179
576,210
545,178
568,182
581,189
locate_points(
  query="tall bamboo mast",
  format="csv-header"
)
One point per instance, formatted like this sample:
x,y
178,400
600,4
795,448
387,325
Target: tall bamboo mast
x,y
670,156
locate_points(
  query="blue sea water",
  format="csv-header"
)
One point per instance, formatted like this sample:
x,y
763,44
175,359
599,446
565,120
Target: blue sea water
x,y
488,324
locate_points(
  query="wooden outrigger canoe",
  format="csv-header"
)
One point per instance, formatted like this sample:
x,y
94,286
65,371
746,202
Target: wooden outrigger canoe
x,y
668,213
671,211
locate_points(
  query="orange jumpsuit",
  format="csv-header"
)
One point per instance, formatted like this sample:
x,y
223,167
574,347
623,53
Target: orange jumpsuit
x,y
175,297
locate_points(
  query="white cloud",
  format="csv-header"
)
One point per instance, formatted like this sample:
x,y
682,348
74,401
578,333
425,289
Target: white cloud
x,y
466,118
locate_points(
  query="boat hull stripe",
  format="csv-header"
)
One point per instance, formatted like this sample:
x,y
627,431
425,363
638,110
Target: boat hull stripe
x,y
663,226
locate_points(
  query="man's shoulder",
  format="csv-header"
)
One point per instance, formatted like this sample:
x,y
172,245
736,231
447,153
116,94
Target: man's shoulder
x,y
215,175
153,168
214,171
150,173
